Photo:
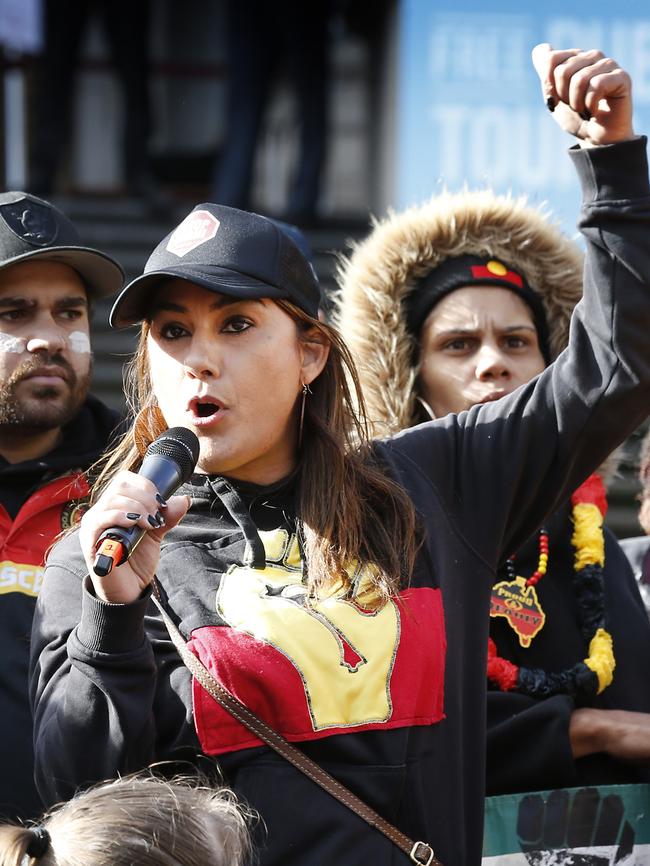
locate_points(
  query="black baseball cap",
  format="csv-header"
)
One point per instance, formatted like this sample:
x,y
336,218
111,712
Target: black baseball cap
x,y
32,228
228,251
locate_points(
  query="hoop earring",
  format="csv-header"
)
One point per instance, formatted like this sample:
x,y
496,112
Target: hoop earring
x,y
305,390
428,410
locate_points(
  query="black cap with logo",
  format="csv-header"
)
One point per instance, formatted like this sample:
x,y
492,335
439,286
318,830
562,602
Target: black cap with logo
x,y
228,251
32,228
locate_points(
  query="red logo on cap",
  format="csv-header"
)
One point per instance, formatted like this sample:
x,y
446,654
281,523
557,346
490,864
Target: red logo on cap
x,y
197,228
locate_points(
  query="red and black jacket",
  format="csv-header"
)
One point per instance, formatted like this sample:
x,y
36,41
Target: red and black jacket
x,y
39,499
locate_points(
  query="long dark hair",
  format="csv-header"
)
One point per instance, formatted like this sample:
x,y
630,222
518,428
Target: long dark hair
x,y
351,513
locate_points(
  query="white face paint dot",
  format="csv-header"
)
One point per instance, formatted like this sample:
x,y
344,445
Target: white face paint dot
x,y
79,342
9,343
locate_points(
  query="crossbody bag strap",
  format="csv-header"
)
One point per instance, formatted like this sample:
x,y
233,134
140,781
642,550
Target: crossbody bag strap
x,y
419,852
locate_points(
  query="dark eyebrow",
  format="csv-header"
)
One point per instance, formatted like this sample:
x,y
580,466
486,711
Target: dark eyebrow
x,y
470,332
457,332
221,302
511,328
20,303
72,301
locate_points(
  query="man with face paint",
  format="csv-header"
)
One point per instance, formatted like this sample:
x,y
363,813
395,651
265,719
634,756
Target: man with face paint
x,y
51,430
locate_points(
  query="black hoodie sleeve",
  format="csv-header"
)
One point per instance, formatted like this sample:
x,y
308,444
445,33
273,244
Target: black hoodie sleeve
x,y
94,681
499,469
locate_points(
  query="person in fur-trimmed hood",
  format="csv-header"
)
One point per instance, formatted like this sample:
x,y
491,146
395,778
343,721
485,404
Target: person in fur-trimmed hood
x,y
458,302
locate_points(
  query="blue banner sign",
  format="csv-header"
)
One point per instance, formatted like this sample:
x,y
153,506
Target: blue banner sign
x,y
469,106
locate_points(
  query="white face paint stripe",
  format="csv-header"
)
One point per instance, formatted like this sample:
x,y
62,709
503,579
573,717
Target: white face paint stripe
x,y
9,343
79,342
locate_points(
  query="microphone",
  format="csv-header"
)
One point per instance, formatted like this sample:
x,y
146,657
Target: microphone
x,y
169,462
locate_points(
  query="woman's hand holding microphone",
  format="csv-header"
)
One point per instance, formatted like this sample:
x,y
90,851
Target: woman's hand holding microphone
x,y
121,534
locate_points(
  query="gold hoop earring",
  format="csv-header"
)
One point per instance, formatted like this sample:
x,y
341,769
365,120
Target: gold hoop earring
x,y
305,390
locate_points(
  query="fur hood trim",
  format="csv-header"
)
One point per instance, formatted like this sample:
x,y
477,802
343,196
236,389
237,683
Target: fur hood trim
x,y
404,247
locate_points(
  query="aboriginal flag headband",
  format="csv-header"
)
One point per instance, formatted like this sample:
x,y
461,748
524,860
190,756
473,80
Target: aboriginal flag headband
x,y
469,270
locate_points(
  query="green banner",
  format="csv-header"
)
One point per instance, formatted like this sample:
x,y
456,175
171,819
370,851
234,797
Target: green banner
x,y
596,826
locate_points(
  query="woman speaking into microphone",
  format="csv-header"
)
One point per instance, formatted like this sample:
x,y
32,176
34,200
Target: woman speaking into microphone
x,y
337,588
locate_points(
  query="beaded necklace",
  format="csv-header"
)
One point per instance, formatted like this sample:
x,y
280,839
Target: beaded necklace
x,y
596,672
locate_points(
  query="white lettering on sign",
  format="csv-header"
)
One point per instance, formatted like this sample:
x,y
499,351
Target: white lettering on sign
x,y
498,145
501,41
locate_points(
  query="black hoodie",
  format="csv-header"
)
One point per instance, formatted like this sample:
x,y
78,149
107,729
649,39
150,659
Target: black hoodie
x,y
391,701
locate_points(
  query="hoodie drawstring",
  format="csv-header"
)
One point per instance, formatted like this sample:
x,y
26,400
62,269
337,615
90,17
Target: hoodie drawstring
x,y
255,554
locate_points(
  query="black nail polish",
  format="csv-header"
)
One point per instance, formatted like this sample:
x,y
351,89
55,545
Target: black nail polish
x,y
585,115
160,501
550,104
131,515
152,521
160,518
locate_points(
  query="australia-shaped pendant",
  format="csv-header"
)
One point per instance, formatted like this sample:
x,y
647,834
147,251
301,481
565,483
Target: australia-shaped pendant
x,y
519,604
